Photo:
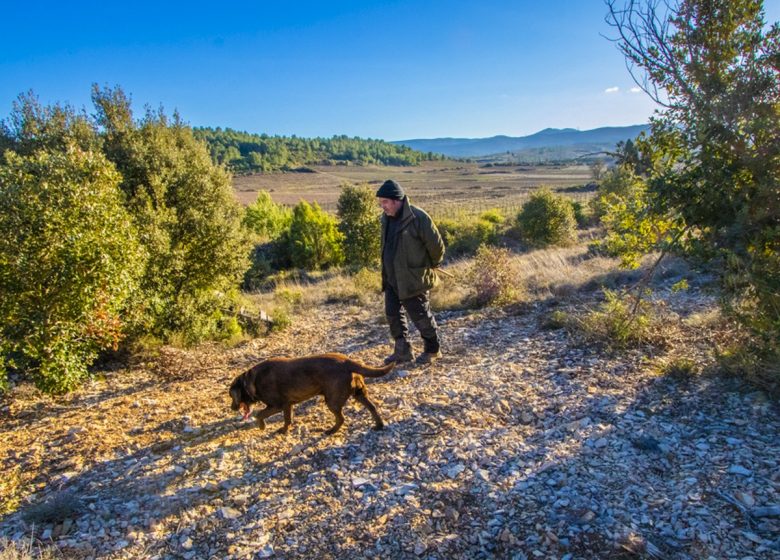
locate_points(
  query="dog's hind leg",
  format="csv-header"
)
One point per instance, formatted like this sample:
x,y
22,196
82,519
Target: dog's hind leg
x,y
335,404
361,395
265,413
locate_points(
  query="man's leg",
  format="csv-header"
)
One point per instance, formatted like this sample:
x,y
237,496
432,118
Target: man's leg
x,y
396,319
419,309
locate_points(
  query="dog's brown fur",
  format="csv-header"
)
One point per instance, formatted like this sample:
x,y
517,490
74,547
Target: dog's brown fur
x,y
282,382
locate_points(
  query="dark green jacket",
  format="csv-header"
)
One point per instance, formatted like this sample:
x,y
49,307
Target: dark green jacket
x,y
420,250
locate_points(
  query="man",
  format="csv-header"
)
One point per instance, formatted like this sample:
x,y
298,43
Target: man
x,y
411,249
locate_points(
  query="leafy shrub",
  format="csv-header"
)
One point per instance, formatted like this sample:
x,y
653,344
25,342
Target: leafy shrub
x,y
280,319
616,323
547,219
69,261
464,235
493,276
313,240
360,225
188,219
262,266
265,218
492,216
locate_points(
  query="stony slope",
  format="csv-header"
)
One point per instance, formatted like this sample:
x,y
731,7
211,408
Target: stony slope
x,y
519,443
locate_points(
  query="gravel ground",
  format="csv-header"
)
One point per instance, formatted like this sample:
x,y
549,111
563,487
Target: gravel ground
x,y
520,443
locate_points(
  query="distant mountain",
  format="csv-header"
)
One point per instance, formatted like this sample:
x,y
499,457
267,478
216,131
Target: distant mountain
x,y
552,140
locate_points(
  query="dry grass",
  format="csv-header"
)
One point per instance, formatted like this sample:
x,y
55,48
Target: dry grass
x,y
10,550
541,274
295,294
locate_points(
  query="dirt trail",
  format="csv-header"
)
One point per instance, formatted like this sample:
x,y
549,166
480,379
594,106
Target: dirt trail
x,y
519,443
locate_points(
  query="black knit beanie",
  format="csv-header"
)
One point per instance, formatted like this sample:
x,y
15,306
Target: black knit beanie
x,y
390,189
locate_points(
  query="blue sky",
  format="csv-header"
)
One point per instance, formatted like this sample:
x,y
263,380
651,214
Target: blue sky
x,y
392,70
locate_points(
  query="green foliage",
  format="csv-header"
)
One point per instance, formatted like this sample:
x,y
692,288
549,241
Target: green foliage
x,y
618,183
261,268
556,320
494,277
265,218
360,225
618,322
714,150
679,368
188,220
492,216
69,259
547,219
280,319
243,152
313,240
633,228
464,235
581,215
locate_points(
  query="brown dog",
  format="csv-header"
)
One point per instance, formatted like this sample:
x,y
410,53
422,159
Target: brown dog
x,y
282,382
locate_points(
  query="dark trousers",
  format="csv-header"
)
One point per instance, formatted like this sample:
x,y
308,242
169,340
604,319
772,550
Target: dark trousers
x,y
419,310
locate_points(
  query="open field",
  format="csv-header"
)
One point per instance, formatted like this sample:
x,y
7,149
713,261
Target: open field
x,y
442,188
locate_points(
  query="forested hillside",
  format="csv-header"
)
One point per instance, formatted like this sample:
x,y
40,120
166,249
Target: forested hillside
x,y
244,152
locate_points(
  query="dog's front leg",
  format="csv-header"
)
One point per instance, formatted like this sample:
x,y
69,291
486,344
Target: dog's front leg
x,y
288,417
265,413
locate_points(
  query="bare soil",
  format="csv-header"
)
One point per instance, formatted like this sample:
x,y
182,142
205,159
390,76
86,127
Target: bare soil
x,y
521,442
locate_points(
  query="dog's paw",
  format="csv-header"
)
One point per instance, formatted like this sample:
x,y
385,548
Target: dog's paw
x,y
379,427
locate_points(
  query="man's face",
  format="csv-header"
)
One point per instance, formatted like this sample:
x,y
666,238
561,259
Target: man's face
x,y
390,206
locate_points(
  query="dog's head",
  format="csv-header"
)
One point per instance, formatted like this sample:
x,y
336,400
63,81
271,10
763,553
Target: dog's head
x,y
242,393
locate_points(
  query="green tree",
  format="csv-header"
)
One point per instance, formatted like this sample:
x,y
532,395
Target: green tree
x,y
265,218
313,240
714,68
69,259
360,225
187,217
547,219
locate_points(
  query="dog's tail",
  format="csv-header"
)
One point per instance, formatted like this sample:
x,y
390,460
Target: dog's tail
x,y
369,371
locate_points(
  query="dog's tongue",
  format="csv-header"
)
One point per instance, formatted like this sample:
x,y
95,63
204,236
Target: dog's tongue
x,y
246,410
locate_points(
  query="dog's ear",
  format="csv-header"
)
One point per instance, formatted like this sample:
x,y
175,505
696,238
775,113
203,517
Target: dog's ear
x,y
249,384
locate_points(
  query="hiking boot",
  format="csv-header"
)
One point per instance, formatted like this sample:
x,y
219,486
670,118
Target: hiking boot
x,y
428,357
402,353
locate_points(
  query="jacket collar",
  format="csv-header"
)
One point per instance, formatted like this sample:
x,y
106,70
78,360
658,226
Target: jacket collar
x,y
406,212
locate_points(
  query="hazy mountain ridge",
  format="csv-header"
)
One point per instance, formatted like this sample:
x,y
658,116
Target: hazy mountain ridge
x,y
598,138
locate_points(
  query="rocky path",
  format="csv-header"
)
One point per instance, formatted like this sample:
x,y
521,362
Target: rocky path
x,y
519,443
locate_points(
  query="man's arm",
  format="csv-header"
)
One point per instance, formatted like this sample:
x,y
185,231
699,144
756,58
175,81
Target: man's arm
x,y
432,240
